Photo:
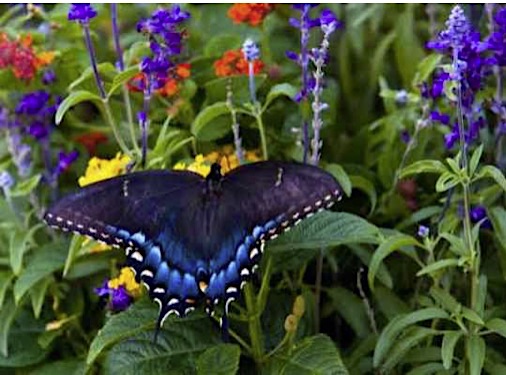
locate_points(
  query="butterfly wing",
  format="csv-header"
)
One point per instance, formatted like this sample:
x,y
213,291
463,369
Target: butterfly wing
x,y
257,202
139,212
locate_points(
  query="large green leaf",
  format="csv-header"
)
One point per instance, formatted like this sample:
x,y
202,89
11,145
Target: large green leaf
x,y
282,89
322,230
63,367
5,282
189,334
396,326
388,246
450,340
7,314
221,359
351,308
176,351
316,355
25,187
74,98
204,126
475,352
46,260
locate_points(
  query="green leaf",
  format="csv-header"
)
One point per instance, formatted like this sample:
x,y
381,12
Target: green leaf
x,y
365,256
38,294
497,325
437,266
276,91
64,367
74,98
450,340
446,181
351,308
475,353
176,351
457,243
221,359
18,246
104,69
341,176
141,317
7,314
48,259
494,173
475,160
324,229
362,183
122,78
221,43
75,246
6,278
426,67
445,299
385,249
25,187
423,166
472,316
310,356
397,325
430,368
204,127
410,338
389,303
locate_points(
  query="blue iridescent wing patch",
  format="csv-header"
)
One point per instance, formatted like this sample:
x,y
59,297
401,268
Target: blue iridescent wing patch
x,y
191,239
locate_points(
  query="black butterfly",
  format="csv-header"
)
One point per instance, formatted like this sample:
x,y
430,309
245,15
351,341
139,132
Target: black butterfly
x,y
190,238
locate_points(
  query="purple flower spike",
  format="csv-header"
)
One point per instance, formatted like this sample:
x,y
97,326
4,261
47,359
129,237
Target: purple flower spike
x,y
6,180
81,13
38,130
250,50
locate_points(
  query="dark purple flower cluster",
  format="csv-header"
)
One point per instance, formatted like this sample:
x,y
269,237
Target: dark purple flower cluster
x,y
165,39
496,42
118,298
81,13
469,68
36,110
305,23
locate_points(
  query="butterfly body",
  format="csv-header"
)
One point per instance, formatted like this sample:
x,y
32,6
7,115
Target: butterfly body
x,y
189,238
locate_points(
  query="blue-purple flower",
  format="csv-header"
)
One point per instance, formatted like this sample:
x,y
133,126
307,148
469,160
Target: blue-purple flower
x,y
6,180
81,13
423,231
479,213
118,298
65,160
496,42
48,77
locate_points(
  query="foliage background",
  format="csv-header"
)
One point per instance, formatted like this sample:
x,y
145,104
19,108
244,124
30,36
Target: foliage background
x,y
391,301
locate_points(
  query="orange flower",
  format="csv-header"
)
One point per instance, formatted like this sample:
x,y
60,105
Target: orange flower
x,y
171,86
251,13
233,63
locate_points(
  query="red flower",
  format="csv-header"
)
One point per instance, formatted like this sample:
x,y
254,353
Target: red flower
x,y
233,63
252,13
91,140
20,56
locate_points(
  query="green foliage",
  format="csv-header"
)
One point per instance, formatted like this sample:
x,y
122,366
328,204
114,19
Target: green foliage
x,y
427,225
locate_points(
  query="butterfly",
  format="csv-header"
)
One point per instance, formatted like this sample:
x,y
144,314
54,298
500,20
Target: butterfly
x,y
191,239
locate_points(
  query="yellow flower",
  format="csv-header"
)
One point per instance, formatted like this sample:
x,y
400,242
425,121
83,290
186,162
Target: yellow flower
x,y
226,157
126,279
102,169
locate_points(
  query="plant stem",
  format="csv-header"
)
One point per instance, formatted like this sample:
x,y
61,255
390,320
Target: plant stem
x,y
93,61
318,290
110,121
255,328
130,118
115,33
263,140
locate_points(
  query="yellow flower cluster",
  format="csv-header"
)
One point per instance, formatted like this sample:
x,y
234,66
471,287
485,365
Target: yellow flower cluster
x,y
226,157
126,278
102,169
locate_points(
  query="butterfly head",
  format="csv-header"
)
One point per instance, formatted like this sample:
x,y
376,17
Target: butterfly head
x,y
215,173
